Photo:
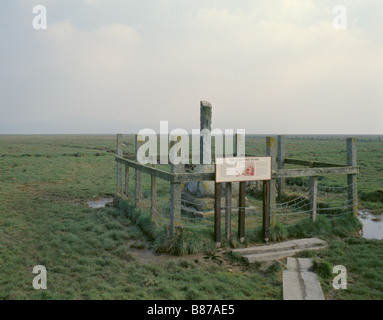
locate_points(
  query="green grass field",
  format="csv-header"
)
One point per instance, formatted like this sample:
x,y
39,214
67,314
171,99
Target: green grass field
x,y
46,181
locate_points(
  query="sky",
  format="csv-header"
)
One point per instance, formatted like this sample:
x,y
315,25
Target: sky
x,y
266,66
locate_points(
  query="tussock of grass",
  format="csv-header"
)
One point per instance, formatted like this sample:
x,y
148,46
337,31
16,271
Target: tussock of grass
x,y
278,232
327,227
184,242
306,254
141,219
373,196
236,257
323,269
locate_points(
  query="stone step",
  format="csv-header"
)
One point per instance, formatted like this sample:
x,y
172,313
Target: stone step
x,y
299,244
276,255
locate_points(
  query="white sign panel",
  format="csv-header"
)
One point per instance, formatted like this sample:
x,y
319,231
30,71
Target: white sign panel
x,y
242,169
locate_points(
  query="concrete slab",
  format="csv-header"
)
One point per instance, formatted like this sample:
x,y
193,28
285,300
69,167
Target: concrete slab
x,y
299,283
305,264
275,255
283,246
313,289
268,256
292,264
291,286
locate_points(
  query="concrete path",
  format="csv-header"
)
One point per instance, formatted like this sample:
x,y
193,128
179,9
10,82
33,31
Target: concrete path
x,y
299,283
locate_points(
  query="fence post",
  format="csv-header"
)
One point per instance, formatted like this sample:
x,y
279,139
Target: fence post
x,y
153,195
205,123
352,191
238,147
266,209
313,196
241,211
228,211
271,151
281,164
138,173
119,165
175,200
175,193
217,214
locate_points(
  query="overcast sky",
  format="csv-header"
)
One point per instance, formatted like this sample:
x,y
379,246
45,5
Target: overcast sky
x,y
267,66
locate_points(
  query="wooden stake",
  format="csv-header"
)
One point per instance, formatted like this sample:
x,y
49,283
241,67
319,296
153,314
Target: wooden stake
x,y
153,195
352,190
217,215
313,195
281,164
138,175
119,165
266,210
228,211
241,211
271,150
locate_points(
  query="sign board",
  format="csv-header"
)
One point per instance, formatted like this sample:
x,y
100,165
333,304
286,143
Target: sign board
x,y
242,169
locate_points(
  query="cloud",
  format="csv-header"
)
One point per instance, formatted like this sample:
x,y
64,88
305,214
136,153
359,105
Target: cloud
x,y
91,69
295,75
92,2
275,67
99,53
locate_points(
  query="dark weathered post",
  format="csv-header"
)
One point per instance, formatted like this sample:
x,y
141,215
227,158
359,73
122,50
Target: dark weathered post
x,y
271,151
119,165
175,194
241,211
352,191
175,203
228,211
266,210
217,214
239,151
138,173
281,164
205,124
313,197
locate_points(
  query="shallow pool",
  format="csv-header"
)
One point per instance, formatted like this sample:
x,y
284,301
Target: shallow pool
x,y
101,203
372,225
